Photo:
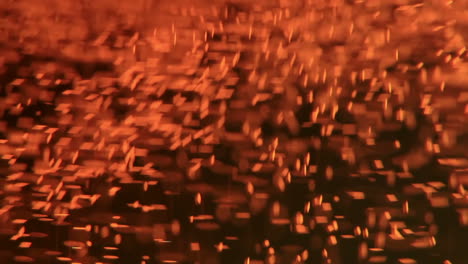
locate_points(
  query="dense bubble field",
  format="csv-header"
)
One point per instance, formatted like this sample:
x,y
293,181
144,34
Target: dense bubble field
x,y
252,132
